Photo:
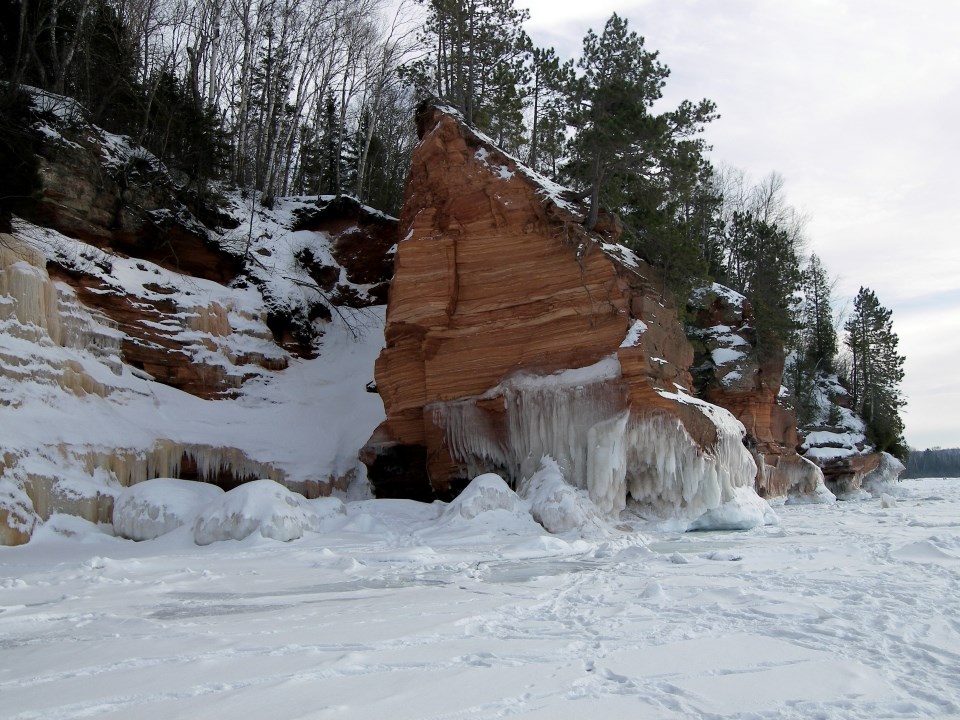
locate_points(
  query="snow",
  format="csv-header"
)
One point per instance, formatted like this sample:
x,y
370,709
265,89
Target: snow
x,y
149,509
841,612
637,328
484,493
266,507
732,297
722,355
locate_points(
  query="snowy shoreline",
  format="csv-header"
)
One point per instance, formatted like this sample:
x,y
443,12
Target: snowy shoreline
x,y
842,611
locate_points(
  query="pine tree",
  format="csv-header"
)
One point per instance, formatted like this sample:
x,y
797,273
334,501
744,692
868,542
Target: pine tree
x,y
547,99
820,345
477,59
767,270
611,103
813,348
876,371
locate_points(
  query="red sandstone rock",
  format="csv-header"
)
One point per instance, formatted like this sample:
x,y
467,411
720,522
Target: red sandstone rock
x,y
731,372
496,281
97,188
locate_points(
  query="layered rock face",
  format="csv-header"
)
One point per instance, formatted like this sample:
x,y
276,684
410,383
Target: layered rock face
x,y
361,244
99,188
122,291
730,371
512,334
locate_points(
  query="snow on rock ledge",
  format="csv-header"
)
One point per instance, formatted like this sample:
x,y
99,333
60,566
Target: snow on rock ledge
x,y
266,507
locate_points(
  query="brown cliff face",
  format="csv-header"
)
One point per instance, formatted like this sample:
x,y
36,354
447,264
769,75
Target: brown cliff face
x,y
731,372
498,288
96,187
362,242
100,189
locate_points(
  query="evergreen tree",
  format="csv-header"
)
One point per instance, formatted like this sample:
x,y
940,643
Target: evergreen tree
x,y
876,372
820,335
548,104
610,107
768,272
477,59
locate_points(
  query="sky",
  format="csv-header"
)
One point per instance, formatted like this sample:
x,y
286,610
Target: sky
x,y
855,103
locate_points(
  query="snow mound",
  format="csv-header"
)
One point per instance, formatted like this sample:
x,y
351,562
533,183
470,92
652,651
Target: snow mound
x,y
267,507
745,511
484,493
557,505
155,507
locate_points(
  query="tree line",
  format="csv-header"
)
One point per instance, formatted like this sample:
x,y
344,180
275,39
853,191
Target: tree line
x,y
277,96
934,462
281,97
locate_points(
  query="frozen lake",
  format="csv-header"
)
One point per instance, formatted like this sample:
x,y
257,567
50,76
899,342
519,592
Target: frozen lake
x,y
843,611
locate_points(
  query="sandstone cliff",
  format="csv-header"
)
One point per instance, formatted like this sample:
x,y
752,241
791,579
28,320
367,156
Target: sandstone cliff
x,y
512,333
837,442
730,371
137,342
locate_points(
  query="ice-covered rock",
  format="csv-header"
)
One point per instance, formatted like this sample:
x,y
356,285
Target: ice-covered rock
x,y
557,505
17,516
883,479
887,501
484,493
267,507
153,508
745,511
521,335
805,483
731,370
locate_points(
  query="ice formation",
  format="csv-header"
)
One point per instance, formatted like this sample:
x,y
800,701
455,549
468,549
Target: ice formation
x,y
556,504
883,479
153,508
266,507
35,311
803,478
745,510
484,493
580,418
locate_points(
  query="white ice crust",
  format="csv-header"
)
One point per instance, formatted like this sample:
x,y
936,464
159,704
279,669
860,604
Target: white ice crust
x,y
153,508
744,511
484,493
266,507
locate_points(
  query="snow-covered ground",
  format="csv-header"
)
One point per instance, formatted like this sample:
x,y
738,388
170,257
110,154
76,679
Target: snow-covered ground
x,y
400,610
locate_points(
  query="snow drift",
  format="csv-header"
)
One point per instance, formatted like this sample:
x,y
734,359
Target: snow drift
x,y
153,508
266,507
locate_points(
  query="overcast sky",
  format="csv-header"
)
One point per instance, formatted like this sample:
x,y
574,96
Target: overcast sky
x,y
856,104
